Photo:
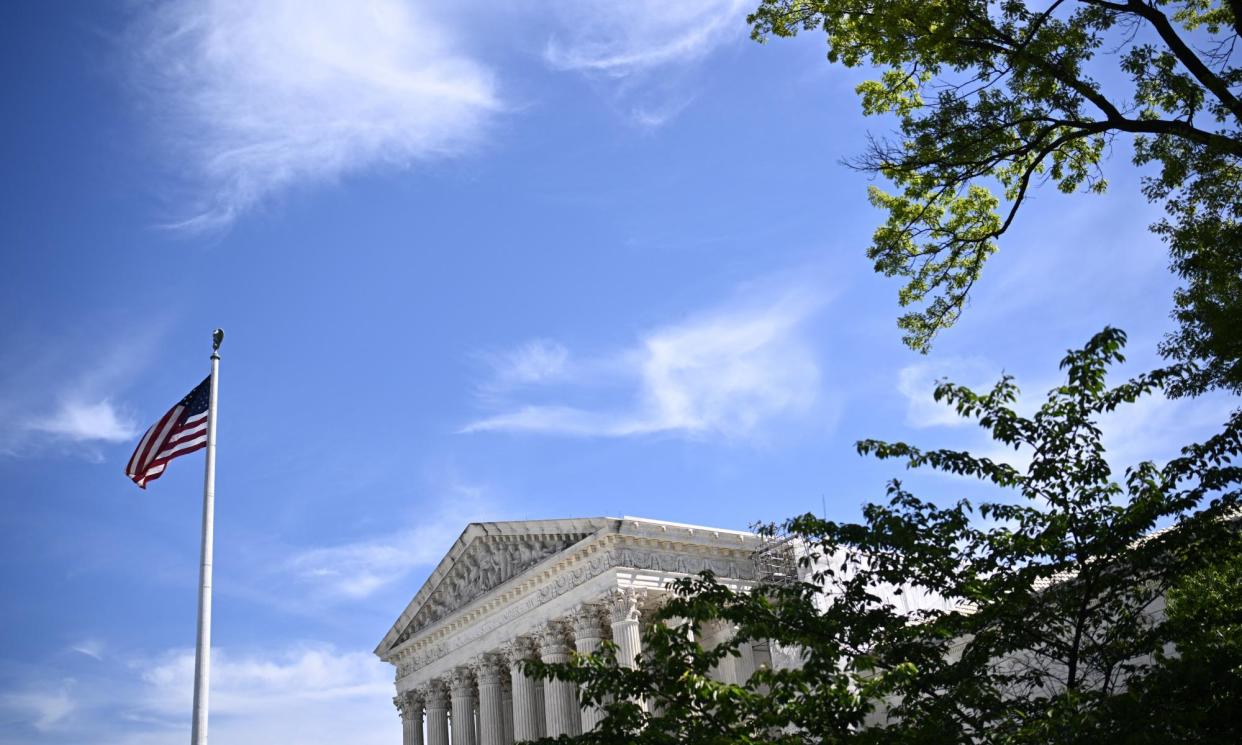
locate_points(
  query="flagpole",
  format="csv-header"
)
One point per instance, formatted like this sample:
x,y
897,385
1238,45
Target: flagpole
x,y
202,654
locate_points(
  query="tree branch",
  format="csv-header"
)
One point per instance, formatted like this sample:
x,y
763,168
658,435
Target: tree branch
x,y
1187,56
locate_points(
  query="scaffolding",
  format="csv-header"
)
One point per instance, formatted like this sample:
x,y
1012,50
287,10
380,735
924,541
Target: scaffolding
x,y
775,561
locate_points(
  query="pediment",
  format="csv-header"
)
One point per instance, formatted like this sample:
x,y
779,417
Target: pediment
x,y
486,556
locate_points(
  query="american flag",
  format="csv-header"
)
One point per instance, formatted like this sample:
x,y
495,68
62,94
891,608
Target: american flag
x,y
182,430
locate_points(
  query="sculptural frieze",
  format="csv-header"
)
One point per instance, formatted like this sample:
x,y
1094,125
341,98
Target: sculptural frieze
x,y
486,564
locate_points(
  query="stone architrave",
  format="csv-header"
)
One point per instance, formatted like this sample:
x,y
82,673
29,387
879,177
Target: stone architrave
x,y
436,699
490,669
463,706
590,629
561,696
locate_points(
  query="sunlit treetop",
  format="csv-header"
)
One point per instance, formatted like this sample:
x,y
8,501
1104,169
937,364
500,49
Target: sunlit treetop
x,y
995,99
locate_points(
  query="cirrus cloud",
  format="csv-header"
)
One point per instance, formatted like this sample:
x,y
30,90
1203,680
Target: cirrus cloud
x,y
726,372
258,97
620,39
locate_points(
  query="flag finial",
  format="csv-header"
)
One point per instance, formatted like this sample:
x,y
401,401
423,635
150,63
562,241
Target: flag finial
x,y
217,338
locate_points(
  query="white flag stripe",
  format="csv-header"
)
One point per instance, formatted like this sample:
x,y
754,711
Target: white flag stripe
x,y
185,434
180,447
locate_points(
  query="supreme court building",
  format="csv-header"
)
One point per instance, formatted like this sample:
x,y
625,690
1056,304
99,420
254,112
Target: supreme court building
x,y
508,591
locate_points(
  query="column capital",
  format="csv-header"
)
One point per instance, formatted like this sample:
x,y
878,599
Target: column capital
x,y
436,694
489,668
554,638
521,648
462,680
406,707
623,604
589,621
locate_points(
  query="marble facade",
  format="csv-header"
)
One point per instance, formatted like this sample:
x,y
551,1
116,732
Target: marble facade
x,y
509,591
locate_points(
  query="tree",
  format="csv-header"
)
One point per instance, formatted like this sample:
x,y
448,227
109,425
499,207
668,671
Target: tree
x,y
995,98
1052,631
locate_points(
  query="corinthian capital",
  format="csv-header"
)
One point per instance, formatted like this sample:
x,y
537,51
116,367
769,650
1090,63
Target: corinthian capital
x,y
436,694
521,648
409,704
589,622
554,637
462,680
489,668
623,604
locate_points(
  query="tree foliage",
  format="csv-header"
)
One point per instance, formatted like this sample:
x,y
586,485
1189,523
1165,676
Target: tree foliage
x,y
995,98
1054,627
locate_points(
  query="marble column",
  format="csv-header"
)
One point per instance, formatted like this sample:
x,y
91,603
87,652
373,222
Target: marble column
x,y
734,669
506,706
410,704
623,608
726,670
745,663
527,707
489,670
540,707
561,696
463,706
436,700
589,625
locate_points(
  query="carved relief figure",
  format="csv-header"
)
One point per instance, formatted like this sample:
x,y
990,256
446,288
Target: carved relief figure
x,y
486,564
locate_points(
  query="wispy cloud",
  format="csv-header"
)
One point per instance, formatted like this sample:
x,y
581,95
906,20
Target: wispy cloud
x,y
80,421
306,692
917,384
622,39
1156,428
92,648
64,394
1153,428
310,693
642,54
248,684
360,568
43,707
260,97
725,372
536,361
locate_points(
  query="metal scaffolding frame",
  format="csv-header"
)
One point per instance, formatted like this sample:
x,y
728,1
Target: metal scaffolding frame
x,y
775,562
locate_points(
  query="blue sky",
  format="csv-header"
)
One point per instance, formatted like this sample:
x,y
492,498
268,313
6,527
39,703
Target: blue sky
x,y
475,261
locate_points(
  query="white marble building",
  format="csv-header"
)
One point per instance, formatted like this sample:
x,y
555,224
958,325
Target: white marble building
x,y
509,591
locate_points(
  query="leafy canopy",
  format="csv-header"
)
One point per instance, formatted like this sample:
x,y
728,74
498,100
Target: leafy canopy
x,y
995,98
1052,629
